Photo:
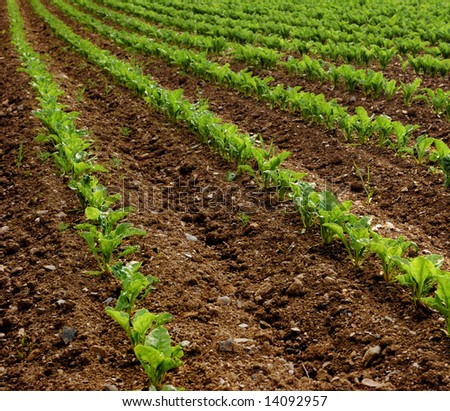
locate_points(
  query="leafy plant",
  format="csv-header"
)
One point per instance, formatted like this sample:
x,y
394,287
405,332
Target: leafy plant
x,y
106,236
135,285
442,156
306,201
409,89
422,147
366,182
419,274
91,193
158,356
388,248
330,210
151,343
356,236
441,299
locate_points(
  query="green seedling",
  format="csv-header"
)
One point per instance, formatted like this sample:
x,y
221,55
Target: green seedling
x,y
135,285
125,131
330,210
442,156
366,182
306,202
116,162
441,299
63,227
356,236
403,135
80,94
91,193
422,147
44,155
244,219
384,129
388,248
409,90
106,236
20,156
158,357
419,274
151,343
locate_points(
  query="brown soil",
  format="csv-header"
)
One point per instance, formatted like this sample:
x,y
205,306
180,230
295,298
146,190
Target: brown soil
x,y
297,315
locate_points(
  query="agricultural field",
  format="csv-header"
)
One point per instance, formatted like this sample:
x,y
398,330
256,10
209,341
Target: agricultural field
x,y
225,195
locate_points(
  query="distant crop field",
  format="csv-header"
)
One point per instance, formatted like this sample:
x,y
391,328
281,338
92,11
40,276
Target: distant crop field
x,y
226,195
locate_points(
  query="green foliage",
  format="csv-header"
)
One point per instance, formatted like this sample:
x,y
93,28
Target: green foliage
x,y
388,248
356,235
135,285
20,156
106,235
440,301
419,274
158,356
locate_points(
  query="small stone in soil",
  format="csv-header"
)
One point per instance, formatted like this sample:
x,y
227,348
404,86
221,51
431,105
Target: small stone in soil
x,y
110,387
68,334
190,237
295,289
50,267
226,346
371,354
371,383
225,300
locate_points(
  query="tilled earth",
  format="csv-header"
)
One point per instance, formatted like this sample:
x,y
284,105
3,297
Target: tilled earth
x,y
262,304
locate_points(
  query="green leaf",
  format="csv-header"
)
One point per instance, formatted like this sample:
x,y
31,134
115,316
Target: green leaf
x,y
92,213
121,317
142,322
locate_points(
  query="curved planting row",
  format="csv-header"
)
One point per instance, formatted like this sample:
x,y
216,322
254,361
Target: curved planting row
x,y
429,284
297,38
371,82
364,24
104,231
312,107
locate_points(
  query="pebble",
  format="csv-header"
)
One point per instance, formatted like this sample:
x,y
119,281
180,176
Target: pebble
x,y
190,237
368,382
226,346
4,229
329,280
50,267
241,340
264,290
295,289
110,387
68,334
2,370
61,214
243,325
40,213
371,354
225,300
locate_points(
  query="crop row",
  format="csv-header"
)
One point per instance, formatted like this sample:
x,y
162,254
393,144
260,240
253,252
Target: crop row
x,y
369,81
103,232
428,283
312,107
298,40
385,19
